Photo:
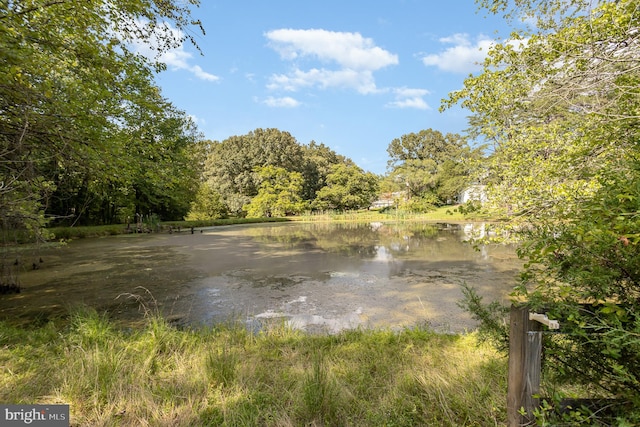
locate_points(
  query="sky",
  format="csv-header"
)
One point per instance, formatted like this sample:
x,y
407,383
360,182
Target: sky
x,y
353,75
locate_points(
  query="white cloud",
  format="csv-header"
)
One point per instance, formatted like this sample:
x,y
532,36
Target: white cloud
x,y
362,81
410,98
349,50
348,60
175,58
197,120
285,102
353,56
203,75
464,56
178,59
417,103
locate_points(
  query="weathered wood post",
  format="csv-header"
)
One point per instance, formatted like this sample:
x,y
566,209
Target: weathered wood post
x,y
525,350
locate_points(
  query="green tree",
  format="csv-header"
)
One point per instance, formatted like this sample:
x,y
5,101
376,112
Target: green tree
x,y
157,170
207,205
67,79
162,147
348,187
279,193
560,103
431,166
231,163
318,161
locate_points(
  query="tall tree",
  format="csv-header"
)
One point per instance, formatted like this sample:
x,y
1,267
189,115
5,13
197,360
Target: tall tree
x,y
66,80
279,193
561,104
430,165
207,205
162,144
348,187
318,161
231,163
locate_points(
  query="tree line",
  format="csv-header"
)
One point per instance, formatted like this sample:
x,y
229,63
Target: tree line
x,y
86,136
267,172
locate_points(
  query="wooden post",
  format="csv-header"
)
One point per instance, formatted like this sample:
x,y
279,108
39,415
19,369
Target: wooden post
x,y
525,349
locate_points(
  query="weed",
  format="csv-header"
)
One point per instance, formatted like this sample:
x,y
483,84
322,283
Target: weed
x,y
226,375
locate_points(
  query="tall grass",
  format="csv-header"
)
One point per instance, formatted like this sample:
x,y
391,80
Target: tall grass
x,y
158,375
445,213
80,232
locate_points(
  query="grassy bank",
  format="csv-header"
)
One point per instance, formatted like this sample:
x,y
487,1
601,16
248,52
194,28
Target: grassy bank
x,y
161,376
79,232
444,214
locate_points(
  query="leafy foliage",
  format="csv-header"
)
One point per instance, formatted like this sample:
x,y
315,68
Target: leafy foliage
x,y
207,205
279,193
560,103
79,111
267,172
431,167
318,161
231,163
348,187
491,316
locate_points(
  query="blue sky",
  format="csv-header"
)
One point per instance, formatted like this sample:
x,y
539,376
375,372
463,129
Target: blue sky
x,y
353,75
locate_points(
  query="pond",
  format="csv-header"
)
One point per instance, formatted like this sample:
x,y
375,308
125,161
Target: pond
x,y
319,277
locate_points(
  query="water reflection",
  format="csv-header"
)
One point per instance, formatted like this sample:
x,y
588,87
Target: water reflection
x,y
329,277
314,276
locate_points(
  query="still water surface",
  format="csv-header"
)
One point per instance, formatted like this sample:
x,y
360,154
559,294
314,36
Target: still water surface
x,y
318,277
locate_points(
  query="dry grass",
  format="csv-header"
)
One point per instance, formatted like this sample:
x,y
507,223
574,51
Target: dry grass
x,y
160,376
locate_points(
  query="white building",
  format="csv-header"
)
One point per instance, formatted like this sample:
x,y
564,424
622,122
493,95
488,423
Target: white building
x,y
475,193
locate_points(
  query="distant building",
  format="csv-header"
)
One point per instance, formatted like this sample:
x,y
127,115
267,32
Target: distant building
x,y
474,193
381,203
388,200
